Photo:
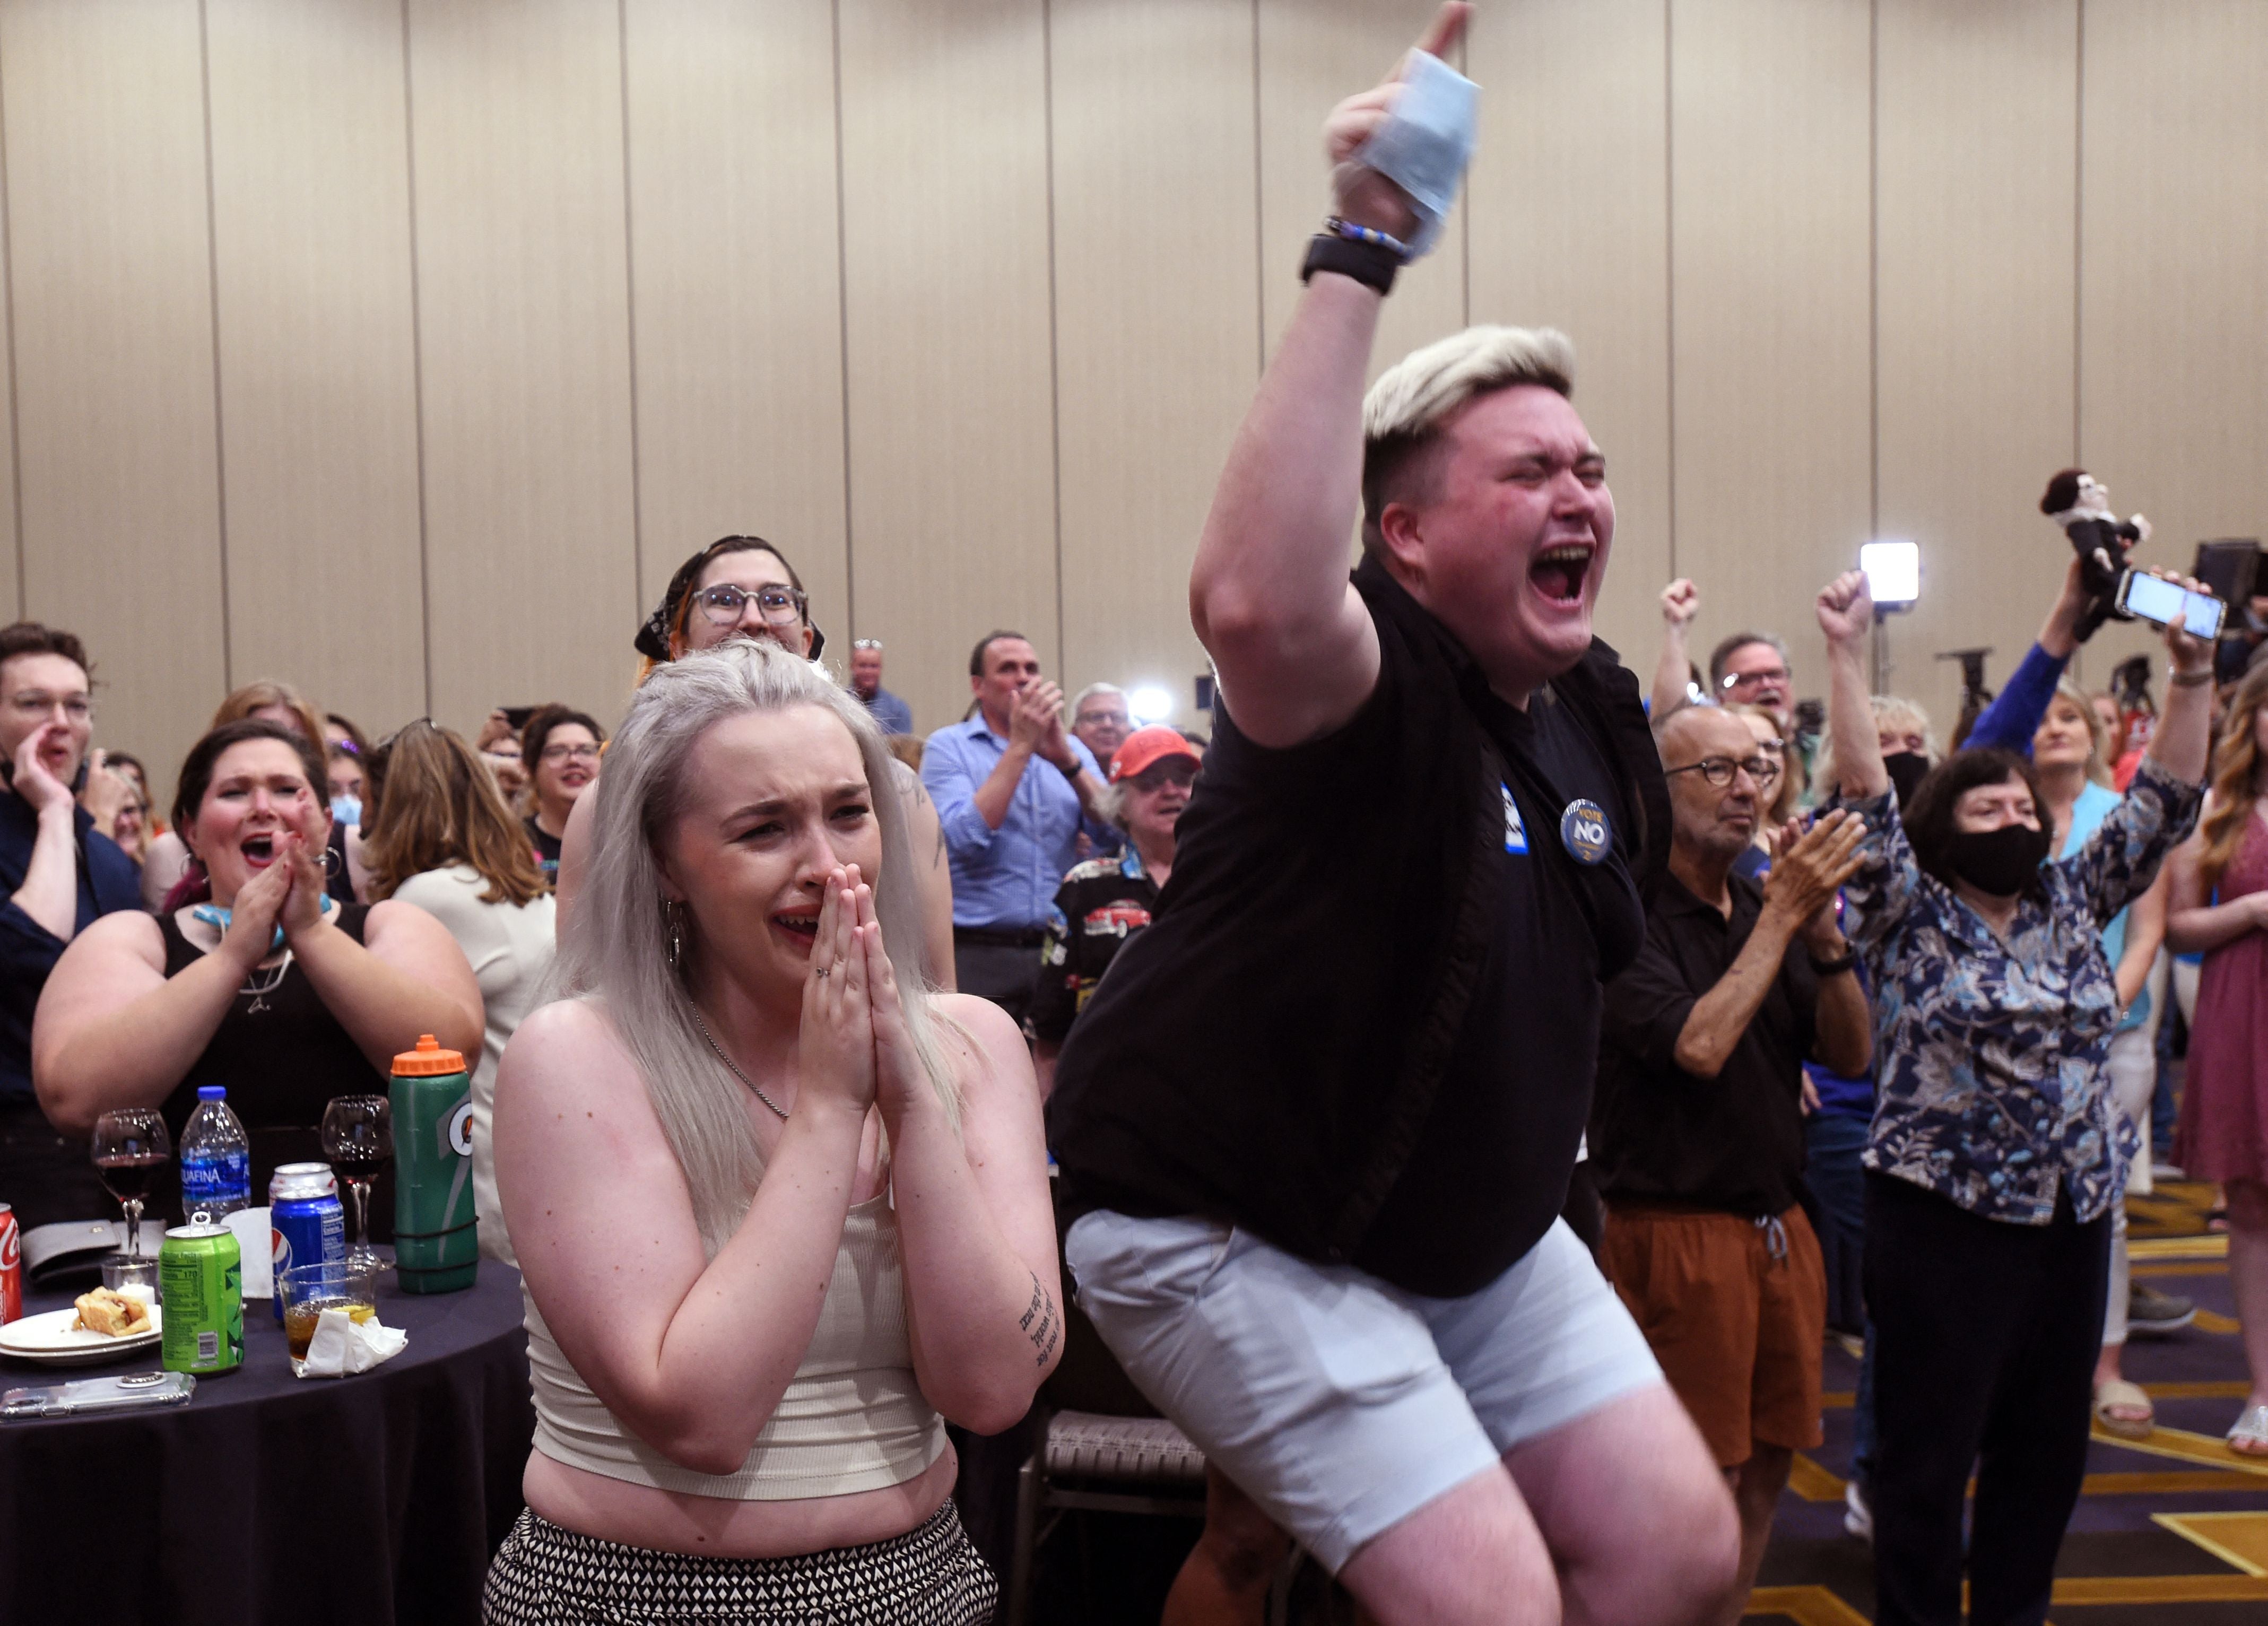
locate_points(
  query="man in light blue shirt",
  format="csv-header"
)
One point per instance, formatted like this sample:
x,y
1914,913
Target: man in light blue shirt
x,y
1012,790
895,716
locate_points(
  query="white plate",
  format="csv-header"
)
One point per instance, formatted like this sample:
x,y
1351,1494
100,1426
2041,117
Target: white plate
x,y
52,1341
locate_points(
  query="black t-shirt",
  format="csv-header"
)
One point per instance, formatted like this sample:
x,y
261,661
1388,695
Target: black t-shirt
x,y
1733,1144
1277,1046
1496,1151
547,850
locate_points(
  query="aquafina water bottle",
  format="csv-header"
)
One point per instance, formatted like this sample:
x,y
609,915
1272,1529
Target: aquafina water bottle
x,y
215,1158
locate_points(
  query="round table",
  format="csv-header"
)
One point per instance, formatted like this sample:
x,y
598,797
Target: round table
x,y
269,1497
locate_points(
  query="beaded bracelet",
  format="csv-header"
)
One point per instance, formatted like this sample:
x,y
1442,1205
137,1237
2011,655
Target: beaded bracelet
x,y
1338,227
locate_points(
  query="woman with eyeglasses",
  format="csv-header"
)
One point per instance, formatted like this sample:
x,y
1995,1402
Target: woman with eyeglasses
x,y
561,748
1995,1153
743,586
258,982
439,837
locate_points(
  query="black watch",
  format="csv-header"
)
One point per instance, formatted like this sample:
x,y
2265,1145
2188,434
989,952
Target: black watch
x,y
1848,961
1371,264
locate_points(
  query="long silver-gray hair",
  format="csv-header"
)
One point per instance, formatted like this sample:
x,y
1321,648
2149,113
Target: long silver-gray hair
x,y
618,954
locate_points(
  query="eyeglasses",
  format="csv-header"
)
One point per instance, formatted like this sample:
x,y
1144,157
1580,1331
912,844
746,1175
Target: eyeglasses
x,y
1719,770
1089,719
563,751
725,604
1750,679
874,645
34,703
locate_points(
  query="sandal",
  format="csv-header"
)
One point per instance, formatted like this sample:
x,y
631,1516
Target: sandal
x,y
2128,1397
2248,1436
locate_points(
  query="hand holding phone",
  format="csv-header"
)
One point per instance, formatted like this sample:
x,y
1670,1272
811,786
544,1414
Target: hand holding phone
x,y
2169,603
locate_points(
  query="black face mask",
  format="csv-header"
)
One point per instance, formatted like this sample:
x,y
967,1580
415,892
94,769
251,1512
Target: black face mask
x,y
2001,863
1907,769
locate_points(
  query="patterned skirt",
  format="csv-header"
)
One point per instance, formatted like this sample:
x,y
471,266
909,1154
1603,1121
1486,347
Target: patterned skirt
x,y
928,1576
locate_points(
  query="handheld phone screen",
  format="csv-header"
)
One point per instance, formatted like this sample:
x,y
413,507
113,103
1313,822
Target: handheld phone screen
x,y
2154,598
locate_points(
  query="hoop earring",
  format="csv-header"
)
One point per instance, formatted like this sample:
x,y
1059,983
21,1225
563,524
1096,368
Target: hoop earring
x,y
330,862
672,925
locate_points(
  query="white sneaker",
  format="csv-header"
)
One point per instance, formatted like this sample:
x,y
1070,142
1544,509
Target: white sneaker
x,y
1858,1518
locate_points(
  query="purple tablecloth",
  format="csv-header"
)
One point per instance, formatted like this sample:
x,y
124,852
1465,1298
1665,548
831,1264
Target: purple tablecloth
x,y
269,1497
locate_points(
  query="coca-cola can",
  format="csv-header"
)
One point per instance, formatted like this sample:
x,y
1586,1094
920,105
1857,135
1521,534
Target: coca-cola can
x,y
11,1265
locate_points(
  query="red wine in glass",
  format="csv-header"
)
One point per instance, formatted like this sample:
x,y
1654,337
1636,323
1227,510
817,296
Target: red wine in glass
x,y
127,1175
130,1146
358,1138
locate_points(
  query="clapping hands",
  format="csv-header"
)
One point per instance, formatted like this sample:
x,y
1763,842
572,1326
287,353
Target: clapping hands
x,y
857,1047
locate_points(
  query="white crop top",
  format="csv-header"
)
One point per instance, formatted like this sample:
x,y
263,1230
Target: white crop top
x,y
853,1418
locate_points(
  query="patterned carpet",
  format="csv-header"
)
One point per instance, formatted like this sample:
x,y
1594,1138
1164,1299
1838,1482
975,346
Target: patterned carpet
x,y
2172,1531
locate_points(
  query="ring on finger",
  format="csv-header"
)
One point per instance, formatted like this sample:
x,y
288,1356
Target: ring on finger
x,y
821,970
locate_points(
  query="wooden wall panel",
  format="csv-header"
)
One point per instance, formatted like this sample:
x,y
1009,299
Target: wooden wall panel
x,y
1976,176
2173,326
11,561
1162,363
947,300
524,311
736,295
113,317
317,378
1314,54
1768,266
1570,229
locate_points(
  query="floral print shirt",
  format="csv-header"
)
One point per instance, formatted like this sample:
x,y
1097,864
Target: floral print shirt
x,y
1991,1056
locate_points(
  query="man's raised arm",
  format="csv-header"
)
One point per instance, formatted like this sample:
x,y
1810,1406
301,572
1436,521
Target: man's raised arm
x,y
1294,647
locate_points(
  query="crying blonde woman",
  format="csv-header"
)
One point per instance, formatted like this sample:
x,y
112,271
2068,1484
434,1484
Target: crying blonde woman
x,y
781,1208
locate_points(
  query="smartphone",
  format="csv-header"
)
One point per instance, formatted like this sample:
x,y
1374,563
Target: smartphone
x,y
114,1394
2153,598
518,716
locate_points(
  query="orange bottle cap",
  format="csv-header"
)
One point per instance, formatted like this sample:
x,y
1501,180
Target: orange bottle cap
x,y
428,1060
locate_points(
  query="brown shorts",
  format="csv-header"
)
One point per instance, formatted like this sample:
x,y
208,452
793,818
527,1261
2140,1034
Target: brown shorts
x,y
1737,1329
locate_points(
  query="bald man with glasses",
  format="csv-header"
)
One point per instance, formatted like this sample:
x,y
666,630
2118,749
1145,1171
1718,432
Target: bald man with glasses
x,y
1697,1128
892,713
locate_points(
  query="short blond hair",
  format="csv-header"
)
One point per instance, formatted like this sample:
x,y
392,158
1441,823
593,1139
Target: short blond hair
x,y
1404,410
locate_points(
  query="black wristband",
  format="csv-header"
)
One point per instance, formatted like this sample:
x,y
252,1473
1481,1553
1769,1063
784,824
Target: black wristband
x,y
1070,773
1371,264
1834,968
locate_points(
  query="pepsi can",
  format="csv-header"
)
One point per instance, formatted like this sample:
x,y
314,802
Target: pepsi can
x,y
306,1224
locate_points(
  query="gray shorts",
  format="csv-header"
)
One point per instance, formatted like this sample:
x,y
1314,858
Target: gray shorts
x,y
1340,1404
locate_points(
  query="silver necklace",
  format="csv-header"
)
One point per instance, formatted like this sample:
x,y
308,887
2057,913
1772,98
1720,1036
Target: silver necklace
x,y
259,991
735,1065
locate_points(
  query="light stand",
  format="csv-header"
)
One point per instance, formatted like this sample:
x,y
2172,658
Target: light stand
x,y
1975,696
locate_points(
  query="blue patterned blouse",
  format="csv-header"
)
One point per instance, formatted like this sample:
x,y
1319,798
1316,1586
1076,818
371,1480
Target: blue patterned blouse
x,y
1992,1054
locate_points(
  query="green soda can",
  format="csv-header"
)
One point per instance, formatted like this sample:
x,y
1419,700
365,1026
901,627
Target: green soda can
x,y
437,1241
201,1284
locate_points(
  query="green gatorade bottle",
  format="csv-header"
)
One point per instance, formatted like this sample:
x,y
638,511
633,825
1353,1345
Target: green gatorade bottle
x,y
437,1246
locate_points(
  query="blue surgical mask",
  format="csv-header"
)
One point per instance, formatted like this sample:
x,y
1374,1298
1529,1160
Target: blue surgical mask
x,y
348,811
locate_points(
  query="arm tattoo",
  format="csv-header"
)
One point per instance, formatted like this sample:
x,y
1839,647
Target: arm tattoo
x,y
1040,1322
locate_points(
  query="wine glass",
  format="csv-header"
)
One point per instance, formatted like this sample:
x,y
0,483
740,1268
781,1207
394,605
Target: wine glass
x,y
358,1138
130,1146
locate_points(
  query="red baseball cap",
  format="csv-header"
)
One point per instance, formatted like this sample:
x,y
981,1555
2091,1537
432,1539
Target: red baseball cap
x,y
1145,747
